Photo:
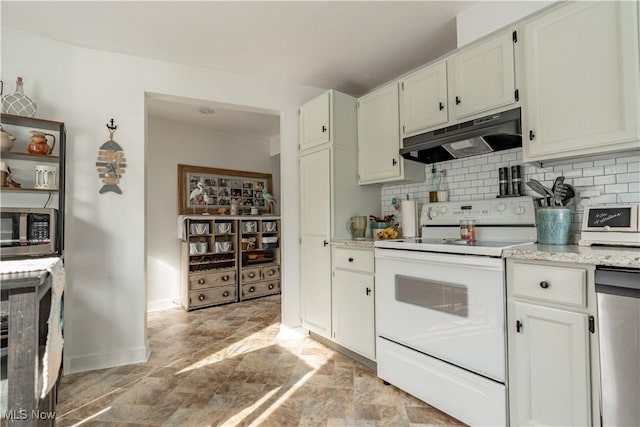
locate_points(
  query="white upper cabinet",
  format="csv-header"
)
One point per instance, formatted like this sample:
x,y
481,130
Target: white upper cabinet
x,y
379,135
379,140
424,98
581,87
315,122
482,77
468,84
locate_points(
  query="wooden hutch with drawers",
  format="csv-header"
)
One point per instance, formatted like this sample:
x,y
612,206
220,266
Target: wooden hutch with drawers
x,y
228,259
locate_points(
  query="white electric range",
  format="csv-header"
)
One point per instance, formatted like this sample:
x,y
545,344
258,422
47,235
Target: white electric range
x,y
440,307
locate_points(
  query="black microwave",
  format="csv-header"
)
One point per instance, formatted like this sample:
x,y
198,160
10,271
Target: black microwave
x,y
26,232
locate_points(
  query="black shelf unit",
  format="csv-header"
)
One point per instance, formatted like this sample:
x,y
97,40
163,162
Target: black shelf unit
x,y
54,126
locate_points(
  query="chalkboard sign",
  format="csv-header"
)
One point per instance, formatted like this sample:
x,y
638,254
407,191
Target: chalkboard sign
x,y
612,217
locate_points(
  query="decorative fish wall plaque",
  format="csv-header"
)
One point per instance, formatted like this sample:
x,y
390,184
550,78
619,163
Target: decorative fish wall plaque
x,y
111,162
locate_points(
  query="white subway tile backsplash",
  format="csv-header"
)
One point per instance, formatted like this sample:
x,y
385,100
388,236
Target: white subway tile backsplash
x,y
629,198
582,165
604,179
604,162
593,171
476,178
628,177
628,159
604,199
573,173
616,188
615,169
583,182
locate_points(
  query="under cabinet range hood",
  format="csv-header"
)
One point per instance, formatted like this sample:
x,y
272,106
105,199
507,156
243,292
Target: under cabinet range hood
x,y
495,132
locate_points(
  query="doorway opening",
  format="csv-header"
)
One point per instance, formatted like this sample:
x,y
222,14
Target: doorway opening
x,y
204,134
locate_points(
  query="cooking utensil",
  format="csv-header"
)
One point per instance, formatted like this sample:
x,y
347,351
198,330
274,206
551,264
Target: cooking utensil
x,y
557,189
539,188
570,194
564,193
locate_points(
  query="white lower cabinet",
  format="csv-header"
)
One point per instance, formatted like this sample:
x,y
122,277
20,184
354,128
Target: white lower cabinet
x,y
353,300
552,345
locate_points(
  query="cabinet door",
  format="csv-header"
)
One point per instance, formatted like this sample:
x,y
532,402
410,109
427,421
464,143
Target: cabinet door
x,y
581,80
379,136
353,315
314,121
550,385
483,77
315,254
423,99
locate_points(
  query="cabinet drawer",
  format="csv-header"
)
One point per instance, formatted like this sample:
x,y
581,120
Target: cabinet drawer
x,y
270,272
207,280
552,284
254,290
354,259
219,295
251,275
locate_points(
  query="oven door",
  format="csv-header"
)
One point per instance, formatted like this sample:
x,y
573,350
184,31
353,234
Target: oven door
x,y
450,307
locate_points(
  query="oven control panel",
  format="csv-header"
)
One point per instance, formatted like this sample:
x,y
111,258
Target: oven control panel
x,y
511,211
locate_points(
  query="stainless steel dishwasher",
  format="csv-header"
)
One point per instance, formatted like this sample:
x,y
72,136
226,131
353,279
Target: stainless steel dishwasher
x,y
618,295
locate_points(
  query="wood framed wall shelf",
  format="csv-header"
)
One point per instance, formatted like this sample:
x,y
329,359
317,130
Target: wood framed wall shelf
x,y
24,166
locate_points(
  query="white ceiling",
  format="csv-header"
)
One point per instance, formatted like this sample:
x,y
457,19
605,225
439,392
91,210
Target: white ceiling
x,y
350,46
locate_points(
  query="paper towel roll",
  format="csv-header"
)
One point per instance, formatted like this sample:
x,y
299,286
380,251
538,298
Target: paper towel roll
x,y
409,212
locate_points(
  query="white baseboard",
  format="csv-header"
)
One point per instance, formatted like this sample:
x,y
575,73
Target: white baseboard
x,y
106,360
163,304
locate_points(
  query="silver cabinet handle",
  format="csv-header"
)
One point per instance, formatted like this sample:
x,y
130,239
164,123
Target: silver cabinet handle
x,y
201,297
225,294
225,278
201,281
270,285
252,289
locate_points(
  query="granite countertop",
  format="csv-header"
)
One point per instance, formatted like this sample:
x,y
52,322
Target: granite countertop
x,y
351,243
594,255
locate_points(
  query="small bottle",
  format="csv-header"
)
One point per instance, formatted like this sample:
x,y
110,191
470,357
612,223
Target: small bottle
x,y
471,229
464,231
434,184
443,195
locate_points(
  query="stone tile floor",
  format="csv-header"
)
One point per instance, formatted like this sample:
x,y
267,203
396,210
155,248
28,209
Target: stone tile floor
x,y
229,366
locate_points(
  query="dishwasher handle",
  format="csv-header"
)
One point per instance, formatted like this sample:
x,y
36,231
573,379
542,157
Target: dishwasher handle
x,y
618,281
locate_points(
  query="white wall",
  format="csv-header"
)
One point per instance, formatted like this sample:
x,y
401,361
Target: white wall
x,y
171,143
488,16
105,302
